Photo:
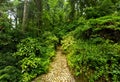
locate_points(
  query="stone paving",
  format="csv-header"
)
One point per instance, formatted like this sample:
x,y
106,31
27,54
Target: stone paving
x,y
59,71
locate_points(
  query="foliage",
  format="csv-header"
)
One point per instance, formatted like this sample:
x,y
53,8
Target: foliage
x,y
94,60
93,49
33,58
106,27
9,73
89,29
105,8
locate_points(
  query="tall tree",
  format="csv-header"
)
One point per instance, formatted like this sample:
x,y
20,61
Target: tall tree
x,y
39,6
24,15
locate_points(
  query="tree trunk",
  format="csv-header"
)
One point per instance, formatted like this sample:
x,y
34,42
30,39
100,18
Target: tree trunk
x,y
39,7
24,16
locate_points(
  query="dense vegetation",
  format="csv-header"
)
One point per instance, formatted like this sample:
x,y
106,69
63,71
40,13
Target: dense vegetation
x,y
93,50
88,30
23,56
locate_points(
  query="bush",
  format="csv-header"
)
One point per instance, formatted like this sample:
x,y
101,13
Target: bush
x,y
107,7
93,49
95,61
33,58
9,74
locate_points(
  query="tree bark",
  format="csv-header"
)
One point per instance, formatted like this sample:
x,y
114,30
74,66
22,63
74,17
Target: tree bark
x,y
39,7
24,15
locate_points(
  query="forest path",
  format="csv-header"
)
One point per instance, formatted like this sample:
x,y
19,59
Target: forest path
x,y
59,71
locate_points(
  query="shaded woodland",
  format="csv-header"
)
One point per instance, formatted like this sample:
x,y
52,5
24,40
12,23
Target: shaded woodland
x,y
87,30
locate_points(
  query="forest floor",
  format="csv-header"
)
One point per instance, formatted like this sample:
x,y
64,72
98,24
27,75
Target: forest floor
x,y
59,70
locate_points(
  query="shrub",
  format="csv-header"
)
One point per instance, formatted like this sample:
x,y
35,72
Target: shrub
x,y
9,74
33,58
95,61
93,49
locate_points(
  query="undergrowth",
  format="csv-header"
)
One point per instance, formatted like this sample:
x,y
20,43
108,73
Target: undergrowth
x,y
93,52
32,58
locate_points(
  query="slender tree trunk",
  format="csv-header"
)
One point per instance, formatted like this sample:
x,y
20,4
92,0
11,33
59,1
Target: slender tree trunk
x,y
39,7
24,16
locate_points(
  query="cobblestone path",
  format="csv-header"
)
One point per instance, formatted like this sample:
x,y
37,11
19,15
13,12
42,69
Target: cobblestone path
x,y
59,71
